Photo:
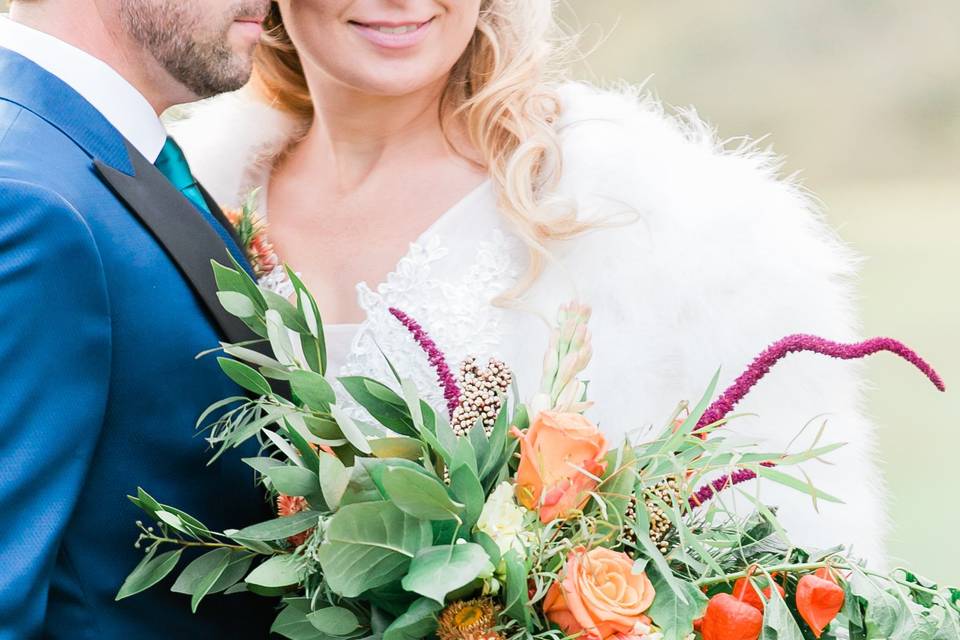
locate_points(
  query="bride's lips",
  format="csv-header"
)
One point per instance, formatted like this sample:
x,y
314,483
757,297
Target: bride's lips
x,y
393,35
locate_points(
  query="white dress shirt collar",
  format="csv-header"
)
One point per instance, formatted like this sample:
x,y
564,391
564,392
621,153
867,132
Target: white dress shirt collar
x,y
99,84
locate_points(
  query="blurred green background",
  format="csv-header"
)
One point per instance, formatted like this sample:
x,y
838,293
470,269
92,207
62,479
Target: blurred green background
x,y
862,97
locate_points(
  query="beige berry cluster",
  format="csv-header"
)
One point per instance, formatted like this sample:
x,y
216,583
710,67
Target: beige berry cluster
x,y
660,525
481,395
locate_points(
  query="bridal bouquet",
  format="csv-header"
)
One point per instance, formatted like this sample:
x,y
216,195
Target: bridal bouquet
x,y
493,517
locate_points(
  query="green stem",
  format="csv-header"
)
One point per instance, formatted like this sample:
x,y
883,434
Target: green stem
x,y
903,583
780,568
209,545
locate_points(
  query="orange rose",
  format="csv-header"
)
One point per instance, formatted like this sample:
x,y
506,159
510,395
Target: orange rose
x,y
554,453
600,596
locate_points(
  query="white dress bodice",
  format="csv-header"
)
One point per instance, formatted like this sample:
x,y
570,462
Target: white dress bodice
x,y
446,281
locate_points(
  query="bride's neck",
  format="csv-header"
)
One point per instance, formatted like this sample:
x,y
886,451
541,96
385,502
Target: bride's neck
x,y
352,134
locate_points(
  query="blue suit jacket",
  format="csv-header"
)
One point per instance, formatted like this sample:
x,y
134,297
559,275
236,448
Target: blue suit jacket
x,y
106,297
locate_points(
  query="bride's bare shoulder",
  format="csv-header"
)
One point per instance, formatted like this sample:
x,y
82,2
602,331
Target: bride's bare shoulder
x,y
231,141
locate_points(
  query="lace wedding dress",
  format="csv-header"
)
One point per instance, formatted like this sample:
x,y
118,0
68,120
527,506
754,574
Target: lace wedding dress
x,y
445,281
716,258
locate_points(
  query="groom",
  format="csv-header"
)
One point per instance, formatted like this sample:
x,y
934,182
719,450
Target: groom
x,y
106,296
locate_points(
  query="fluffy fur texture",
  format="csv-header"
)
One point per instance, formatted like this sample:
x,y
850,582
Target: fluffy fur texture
x,y
715,259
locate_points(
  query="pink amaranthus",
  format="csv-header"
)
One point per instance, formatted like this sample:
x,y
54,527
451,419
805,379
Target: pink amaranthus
x,y
761,366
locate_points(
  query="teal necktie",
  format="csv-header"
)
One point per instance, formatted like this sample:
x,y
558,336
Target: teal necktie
x,y
173,164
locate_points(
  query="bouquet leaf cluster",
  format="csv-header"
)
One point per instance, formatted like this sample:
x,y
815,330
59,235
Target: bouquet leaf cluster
x,y
491,518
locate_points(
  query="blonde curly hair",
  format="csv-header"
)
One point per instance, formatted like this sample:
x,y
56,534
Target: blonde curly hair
x,y
501,91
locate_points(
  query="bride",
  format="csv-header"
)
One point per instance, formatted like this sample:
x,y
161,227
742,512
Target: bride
x,y
428,155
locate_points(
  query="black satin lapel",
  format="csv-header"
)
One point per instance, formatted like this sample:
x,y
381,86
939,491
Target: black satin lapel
x,y
217,212
180,229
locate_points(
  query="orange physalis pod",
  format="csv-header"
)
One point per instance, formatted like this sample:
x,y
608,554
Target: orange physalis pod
x,y
819,600
745,592
728,618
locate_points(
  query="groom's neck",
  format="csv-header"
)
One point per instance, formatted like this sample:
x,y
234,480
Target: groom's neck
x,y
96,30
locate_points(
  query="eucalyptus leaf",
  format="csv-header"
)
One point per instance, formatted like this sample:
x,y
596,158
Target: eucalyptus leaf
x,y
263,464
334,478
151,570
497,441
392,413
313,389
277,572
418,621
677,587
436,571
362,487
291,316
292,623
279,528
308,306
618,483
370,544
674,615
280,339
517,596
237,280
397,447
250,356
295,481
419,495
466,488
778,622
172,520
794,483
350,430
237,304
881,608
190,577
323,426
245,376
209,581
334,621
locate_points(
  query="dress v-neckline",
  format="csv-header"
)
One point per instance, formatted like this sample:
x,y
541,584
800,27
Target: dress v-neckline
x,y
442,220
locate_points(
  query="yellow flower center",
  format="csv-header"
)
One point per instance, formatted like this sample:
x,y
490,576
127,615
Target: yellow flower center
x,y
469,615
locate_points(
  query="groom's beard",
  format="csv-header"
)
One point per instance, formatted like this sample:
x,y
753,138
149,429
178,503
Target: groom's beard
x,y
196,55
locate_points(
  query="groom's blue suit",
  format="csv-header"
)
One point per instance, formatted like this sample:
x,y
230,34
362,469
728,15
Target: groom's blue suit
x,y
106,297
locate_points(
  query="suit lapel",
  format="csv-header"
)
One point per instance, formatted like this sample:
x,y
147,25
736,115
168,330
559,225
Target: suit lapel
x,y
180,229
218,214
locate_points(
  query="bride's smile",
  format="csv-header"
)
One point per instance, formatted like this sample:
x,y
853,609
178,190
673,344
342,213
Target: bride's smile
x,y
391,35
380,47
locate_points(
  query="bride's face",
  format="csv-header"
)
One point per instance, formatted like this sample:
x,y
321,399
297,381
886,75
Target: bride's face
x,y
381,47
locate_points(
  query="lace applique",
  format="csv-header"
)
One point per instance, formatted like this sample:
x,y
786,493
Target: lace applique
x,y
451,303
456,311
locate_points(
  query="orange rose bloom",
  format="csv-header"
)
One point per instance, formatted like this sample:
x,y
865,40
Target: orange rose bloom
x,y
552,452
599,595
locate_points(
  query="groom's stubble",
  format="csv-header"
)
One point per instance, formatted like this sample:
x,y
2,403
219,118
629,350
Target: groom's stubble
x,y
189,45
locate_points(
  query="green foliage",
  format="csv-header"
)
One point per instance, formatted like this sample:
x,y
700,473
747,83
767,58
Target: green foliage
x,y
151,570
437,571
279,528
391,532
419,495
675,606
418,621
334,621
369,545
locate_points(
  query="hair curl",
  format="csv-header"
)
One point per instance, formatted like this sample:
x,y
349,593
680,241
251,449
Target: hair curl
x,y
501,91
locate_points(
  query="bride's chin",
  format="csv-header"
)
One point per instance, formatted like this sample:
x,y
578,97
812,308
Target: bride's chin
x,y
389,84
